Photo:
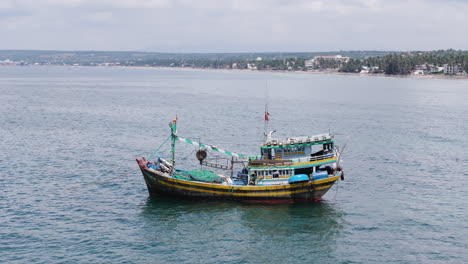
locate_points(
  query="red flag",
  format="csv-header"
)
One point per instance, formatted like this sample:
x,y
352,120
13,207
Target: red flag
x,y
267,116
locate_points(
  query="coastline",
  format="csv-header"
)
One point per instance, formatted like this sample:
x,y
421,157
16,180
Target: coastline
x,y
329,72
409,76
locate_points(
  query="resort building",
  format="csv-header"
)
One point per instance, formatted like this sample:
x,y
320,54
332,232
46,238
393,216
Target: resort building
x,y
316,61
333,57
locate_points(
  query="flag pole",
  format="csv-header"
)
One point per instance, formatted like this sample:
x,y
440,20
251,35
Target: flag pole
x,y
173,126
267,114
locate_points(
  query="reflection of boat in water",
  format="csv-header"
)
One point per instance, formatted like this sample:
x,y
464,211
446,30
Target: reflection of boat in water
x,y
287,170
315,222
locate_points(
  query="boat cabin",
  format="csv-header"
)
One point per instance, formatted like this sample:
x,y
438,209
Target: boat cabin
x,y
293,148
280,159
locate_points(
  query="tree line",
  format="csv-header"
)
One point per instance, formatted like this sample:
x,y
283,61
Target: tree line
x,y
405,63
401,63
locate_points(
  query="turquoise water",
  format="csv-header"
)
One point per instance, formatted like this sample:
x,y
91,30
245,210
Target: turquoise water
x,y
71,191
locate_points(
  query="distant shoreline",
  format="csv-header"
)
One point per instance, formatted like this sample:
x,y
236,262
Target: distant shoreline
x,y
409,76
329,72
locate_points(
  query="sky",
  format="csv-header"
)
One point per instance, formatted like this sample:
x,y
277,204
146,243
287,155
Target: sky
x,y
233,26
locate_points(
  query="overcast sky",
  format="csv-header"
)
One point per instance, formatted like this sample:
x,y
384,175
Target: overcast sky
x,y
233,26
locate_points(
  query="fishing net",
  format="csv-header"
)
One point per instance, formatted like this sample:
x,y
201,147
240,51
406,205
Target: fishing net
x,y
198,175
183,175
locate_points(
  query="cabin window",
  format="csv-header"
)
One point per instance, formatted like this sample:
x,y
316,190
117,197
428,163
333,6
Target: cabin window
x,y
328,146
271,154
275,174
318,150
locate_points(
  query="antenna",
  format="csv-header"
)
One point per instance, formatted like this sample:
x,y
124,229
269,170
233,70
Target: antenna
x,y
267,114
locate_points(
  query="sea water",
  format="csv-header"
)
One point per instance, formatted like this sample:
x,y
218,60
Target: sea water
x,y
71,191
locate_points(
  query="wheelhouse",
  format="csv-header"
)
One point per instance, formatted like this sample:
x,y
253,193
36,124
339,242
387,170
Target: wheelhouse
x,y
280,159
293,148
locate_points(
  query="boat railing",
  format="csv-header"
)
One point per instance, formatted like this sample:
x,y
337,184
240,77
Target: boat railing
x,y
321,157
313,158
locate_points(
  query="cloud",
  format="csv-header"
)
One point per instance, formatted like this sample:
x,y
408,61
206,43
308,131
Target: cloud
x,y
233,26
101,17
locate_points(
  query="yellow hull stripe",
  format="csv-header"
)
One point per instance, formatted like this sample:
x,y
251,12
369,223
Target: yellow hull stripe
x,y
323,187
332,179
244,194
251,188
227,187
232,193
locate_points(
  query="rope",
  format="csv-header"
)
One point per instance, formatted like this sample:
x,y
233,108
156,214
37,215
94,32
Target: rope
x,y
336,190
210,147
154,152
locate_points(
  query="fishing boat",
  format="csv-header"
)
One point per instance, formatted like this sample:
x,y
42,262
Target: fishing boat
x,y
287,170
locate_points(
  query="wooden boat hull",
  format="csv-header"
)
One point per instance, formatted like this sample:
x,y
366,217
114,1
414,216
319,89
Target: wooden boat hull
x,y
162,184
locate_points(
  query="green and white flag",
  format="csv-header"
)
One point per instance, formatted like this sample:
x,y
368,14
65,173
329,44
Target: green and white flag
x,y
211,147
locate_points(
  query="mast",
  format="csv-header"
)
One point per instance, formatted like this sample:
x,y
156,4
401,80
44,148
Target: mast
x,y
173,126
267,114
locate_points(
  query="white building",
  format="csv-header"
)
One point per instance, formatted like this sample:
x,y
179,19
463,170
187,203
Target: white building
x,y
309,63
333,57
251,66
8,62
365,69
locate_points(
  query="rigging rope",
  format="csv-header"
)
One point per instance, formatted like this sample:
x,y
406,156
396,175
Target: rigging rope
x,y
210,147
154,152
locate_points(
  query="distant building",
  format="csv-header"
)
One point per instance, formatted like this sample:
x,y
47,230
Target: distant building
x,y
309,63
421,67
365,69
434,69
251,66
372,69
315,62
8,62
453,69
333,57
